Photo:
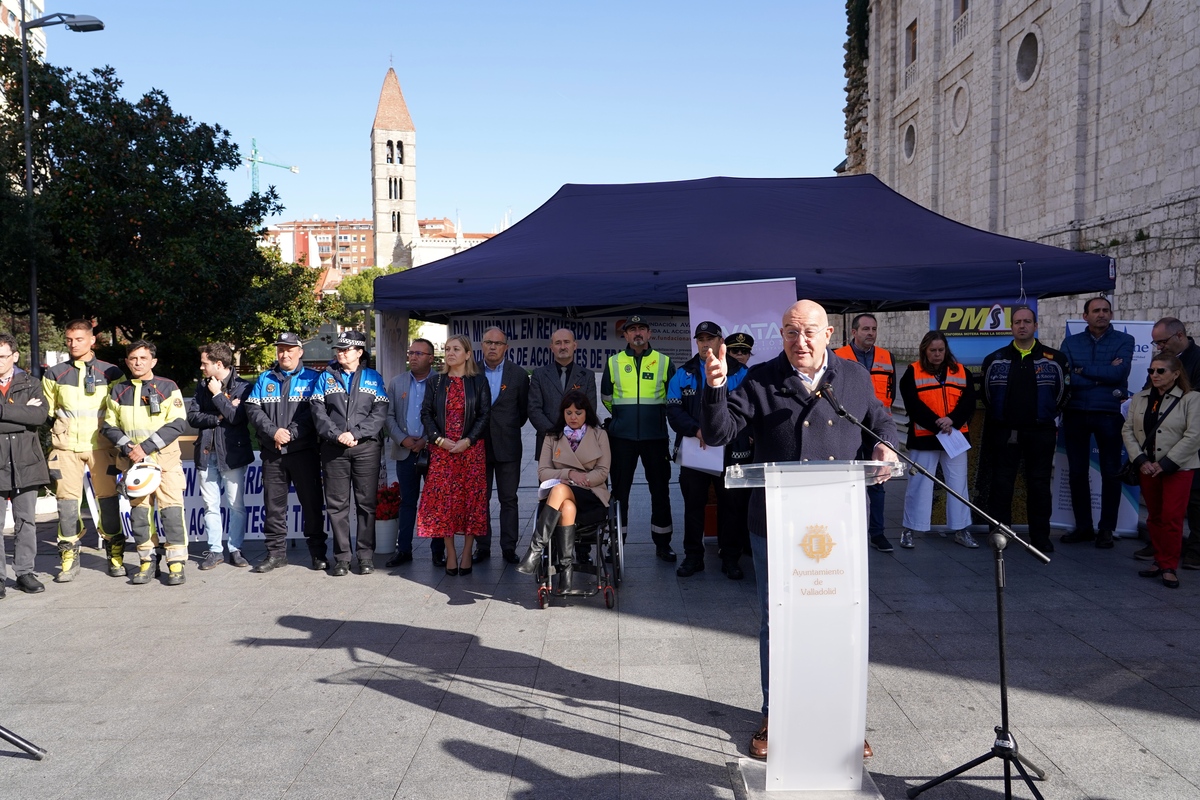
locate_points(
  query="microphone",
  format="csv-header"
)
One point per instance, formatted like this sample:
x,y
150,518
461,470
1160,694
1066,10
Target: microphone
x,y
826,391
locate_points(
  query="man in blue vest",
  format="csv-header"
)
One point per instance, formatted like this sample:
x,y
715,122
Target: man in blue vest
x,y
634,390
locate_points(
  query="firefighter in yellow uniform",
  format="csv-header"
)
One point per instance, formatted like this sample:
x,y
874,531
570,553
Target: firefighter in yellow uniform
x,y
877,361
75,392
144,417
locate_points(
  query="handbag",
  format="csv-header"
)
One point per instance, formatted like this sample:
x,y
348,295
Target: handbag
x,y
1130,473
421,465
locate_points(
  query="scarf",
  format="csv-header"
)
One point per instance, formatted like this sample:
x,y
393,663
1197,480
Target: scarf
x,y
574,436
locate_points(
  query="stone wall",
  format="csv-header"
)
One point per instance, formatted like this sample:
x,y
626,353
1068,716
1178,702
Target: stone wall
x,y
1072,123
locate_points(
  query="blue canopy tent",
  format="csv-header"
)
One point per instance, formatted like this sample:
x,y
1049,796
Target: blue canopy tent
x,y
851,243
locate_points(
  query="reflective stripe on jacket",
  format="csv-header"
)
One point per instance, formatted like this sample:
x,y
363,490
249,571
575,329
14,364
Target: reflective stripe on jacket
x,y
883,373
149,413
75,393
639,394
941,398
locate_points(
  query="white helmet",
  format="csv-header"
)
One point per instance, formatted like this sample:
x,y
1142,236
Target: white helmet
x,y
140,480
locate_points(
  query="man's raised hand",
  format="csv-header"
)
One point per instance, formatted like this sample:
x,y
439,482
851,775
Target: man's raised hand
x,y
716,367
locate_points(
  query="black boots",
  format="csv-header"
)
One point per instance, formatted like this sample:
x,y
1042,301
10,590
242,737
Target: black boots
x,y
566,558
546,523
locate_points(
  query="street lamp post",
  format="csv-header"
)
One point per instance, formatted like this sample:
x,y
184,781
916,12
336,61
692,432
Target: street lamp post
x,y
81,23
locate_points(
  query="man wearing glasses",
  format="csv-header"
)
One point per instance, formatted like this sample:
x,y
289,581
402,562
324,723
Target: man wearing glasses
x,y
777,403
510,409
75,393
407,435
22,464
1170,337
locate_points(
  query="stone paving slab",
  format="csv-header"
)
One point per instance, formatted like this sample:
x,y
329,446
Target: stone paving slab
x,y
411,684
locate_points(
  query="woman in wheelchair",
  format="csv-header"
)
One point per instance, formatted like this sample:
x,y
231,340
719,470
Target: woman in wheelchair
x,y
579,458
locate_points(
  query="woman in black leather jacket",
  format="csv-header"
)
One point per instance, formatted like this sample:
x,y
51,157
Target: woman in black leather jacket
x,y
455,416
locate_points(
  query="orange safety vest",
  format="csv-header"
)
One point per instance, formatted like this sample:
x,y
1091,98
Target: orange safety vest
x,y
883,374
941,398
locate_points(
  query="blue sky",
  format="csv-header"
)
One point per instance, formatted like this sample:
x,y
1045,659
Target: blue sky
x,y
510,100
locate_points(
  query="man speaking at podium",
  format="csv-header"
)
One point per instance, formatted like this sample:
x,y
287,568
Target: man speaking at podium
x,y
792,417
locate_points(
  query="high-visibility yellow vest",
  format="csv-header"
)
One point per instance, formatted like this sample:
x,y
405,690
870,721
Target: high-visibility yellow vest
x,y
632,385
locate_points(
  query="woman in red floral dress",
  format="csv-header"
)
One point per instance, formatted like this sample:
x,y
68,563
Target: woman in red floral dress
x,y
455,415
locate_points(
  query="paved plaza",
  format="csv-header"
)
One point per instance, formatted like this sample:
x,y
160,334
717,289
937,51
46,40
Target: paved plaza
x,y
411,684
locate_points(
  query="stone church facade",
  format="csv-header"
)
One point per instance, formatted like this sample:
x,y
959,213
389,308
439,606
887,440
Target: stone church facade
x,y
1075,123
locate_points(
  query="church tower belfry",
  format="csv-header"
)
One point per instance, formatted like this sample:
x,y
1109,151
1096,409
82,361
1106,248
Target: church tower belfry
x,y
394,177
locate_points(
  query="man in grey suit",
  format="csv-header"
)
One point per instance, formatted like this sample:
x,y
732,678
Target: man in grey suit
x,y
510,408
551,382
407,434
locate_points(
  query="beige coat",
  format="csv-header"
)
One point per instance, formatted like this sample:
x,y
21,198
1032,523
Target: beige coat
x,y
1177,438
593,457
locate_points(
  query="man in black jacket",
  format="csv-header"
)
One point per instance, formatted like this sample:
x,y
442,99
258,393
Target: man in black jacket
x,y
22,463
788,422
223,451
509,385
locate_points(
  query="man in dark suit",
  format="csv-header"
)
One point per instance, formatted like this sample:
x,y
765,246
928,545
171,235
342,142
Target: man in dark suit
x,y
551,382
510,408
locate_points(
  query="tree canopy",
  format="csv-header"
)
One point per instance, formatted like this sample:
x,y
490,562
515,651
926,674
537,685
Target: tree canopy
x,y
133,224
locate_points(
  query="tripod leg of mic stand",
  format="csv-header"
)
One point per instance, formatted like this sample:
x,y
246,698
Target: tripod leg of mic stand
x,y
1034,768
26,745
952,774
1025,775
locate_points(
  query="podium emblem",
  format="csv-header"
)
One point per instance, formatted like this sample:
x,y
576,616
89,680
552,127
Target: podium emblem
x,y
817,543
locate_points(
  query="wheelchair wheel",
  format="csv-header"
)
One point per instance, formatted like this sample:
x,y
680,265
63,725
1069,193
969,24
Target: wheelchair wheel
x,y
543,595
610,597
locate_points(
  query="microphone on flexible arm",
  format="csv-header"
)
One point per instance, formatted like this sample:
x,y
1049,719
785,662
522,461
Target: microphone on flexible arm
x,y
826,391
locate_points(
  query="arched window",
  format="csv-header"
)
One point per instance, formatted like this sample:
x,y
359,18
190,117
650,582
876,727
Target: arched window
x,y
389,151
393,222
389,188
399,152
399,189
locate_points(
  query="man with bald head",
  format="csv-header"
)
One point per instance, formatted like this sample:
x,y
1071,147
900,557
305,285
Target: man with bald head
x,y
788,422
548,384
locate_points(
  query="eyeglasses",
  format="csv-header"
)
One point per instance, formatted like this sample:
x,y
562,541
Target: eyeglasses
x,y
791,334
1157,370
415,353
6,355
490,343
1163,342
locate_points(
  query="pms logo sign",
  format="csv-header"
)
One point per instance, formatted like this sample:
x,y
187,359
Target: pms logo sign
x,y
979,318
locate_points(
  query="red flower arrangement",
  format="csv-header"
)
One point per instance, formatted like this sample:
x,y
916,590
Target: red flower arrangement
x,y
387,502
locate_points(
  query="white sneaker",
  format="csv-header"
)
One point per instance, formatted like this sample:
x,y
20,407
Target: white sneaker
x,y
906,540
963,537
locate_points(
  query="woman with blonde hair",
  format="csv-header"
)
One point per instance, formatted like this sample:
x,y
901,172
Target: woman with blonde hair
x,y
455,416
1162,435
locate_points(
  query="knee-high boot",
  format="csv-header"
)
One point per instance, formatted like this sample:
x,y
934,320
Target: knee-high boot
x,y
546,523
566,559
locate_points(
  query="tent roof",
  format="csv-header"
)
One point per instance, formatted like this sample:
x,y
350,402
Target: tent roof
x,y
850,242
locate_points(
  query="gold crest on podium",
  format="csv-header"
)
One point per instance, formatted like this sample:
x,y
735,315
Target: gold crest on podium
x,y
817,543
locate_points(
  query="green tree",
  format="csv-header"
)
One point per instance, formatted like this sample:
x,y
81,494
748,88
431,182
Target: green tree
x,y
133,223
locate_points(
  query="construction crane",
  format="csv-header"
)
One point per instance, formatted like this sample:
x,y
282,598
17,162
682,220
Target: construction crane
x,y
254,159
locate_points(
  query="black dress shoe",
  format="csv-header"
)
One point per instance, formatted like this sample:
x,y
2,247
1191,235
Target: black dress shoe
x,y
1104,540
732,571
1076,536
340,568
511,557
398,559
666,554
482,554
439,561
365,567
270,563
690,567
29,584
320,564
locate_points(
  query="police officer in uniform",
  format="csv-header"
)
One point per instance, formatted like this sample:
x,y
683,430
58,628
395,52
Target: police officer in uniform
x,y
280,411
350,408
143,418
862,348
683,414
634,390
75,392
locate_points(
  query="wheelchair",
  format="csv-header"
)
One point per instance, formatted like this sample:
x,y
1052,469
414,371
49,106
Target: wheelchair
x,y
606,546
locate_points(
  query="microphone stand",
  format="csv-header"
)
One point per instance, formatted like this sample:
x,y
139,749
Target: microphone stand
x,y
1004,746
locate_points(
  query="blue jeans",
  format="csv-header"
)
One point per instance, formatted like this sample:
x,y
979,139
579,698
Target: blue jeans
x,y
758,544
410,493
232,481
